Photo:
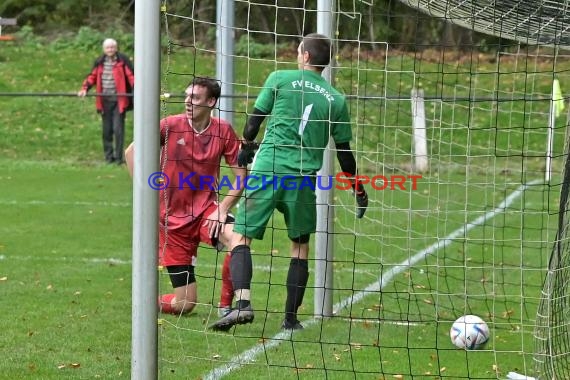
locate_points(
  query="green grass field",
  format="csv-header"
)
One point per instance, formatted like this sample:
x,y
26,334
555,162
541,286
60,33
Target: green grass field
x,y
65,241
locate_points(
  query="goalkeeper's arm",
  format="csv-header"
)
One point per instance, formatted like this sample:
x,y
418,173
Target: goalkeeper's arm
x,y
348,165
253,124
250,131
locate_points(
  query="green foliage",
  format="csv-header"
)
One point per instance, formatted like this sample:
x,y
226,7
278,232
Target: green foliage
x,y
48,16
86,39
386,21
89,39
249,47
26,36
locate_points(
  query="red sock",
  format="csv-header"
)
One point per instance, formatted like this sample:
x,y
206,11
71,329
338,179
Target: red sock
x,y
227,295
165,302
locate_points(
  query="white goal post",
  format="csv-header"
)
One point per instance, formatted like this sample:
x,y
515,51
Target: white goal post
x,y
144,346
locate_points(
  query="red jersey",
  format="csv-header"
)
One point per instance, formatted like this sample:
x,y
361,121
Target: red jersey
x,y
192,161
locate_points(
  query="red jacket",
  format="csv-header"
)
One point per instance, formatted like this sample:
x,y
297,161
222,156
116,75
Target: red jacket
x,y
123,73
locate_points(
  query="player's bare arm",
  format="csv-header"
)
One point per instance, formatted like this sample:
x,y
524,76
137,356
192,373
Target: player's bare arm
x,y
217,219
130,158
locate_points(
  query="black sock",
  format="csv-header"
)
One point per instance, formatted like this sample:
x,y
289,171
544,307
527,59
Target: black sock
x,y
296,283
241,269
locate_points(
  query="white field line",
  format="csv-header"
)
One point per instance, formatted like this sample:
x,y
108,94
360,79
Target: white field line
x,y
378,321
267,344
5,202
116,261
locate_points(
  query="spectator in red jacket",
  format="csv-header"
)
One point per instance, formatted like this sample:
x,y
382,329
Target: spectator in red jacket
x,y
113,75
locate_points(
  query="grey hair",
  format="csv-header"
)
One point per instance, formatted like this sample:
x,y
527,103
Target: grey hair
x,y
109,41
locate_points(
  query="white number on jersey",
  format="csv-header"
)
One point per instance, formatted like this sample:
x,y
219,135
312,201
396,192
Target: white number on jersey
x,y
305,118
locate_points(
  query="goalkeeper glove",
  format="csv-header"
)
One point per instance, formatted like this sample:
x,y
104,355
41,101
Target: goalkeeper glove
x,y
246,153
362,202
361,198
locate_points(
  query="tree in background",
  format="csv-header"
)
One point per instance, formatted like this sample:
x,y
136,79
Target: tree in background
x,y
387,21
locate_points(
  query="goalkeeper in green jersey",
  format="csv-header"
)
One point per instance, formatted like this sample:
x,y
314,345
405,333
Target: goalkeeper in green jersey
x,y
303,112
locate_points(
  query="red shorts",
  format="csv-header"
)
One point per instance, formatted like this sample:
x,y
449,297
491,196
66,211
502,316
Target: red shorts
x,y
181,245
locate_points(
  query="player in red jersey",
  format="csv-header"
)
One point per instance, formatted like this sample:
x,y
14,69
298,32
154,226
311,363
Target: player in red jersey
x,y
193,145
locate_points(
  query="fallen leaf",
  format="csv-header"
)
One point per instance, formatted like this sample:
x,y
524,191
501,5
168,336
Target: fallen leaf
x,y
507,313
77,293
49,287
61,366
75,365
442,369
337,357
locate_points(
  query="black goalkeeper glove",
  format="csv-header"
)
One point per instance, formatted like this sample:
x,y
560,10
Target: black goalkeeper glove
x,y
362,202
246,153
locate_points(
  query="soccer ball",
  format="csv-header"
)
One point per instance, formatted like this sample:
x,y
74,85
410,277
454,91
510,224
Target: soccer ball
x,y
469,332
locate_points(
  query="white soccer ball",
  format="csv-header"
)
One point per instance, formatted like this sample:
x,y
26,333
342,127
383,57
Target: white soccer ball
x,y
469,332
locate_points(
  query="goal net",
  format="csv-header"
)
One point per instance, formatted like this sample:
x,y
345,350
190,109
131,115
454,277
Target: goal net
x,y
464,225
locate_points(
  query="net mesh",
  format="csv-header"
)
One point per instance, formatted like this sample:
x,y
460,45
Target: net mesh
x,y
472,238
543,22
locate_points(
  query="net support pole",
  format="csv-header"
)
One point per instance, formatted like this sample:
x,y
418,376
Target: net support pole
x,y
144,350
550,135
419,131
324,246
225,56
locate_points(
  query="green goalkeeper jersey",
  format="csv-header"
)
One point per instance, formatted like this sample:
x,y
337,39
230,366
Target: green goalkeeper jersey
x,y
304,110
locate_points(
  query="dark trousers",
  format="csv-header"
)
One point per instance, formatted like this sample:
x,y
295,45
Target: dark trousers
x,y
113,124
